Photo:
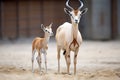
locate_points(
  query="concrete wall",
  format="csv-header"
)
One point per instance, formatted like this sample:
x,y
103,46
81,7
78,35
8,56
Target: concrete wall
x,y
8,19
118,6
101,19
23,19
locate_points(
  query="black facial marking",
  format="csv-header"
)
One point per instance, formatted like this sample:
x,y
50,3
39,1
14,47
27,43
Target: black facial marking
x,y
70,14
47,31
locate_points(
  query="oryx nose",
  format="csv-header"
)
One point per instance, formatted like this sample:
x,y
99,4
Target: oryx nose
x,y
76,21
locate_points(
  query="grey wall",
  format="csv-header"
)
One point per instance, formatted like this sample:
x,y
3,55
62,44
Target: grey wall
x,y
118,18
101,19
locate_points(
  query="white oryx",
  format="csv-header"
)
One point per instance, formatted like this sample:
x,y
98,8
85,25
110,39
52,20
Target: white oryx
x,y
68,36
40,45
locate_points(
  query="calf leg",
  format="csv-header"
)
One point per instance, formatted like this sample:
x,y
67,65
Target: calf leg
x,y
39,60
45,58
33,53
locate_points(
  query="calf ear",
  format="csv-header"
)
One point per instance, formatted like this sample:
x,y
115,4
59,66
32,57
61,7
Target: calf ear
x,y
51,25
84,11
42,27
67,11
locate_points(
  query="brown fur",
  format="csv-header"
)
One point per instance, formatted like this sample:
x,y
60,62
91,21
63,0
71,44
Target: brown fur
x,y
74,42
76,12
38,43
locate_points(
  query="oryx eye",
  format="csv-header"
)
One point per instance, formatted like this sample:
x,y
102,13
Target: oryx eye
x,y
46,30
70,14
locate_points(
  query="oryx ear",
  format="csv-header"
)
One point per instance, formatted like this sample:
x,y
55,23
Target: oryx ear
x,y
51,25
84,11
42,27
67,11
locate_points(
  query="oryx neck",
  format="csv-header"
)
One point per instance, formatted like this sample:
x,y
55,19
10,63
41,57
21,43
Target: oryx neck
x,y
74,30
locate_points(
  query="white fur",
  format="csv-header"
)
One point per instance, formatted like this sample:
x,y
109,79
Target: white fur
x,y
68,36
66,29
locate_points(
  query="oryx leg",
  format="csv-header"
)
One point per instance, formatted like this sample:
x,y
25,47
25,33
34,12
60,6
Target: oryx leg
x,y
68,60
65,56
58,57
75,60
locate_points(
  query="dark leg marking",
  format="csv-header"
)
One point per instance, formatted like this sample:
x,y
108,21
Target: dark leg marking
x,y
69,56
64,52
75,56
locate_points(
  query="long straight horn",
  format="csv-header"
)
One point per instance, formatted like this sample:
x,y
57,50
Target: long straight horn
x,y
68,5
80,5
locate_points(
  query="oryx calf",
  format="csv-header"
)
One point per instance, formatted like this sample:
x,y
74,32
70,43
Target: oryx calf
x,y
40,45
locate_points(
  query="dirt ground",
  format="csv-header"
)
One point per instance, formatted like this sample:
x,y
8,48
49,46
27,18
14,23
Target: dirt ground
x,y
97,60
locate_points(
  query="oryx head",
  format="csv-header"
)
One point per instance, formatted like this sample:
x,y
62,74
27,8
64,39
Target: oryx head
x,y
47,29
75,14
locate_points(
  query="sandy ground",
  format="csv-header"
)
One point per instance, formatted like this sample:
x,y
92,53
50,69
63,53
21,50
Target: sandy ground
x,y
97,60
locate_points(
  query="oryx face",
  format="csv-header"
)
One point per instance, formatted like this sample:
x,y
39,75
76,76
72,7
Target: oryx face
x,y
48,29
75,15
